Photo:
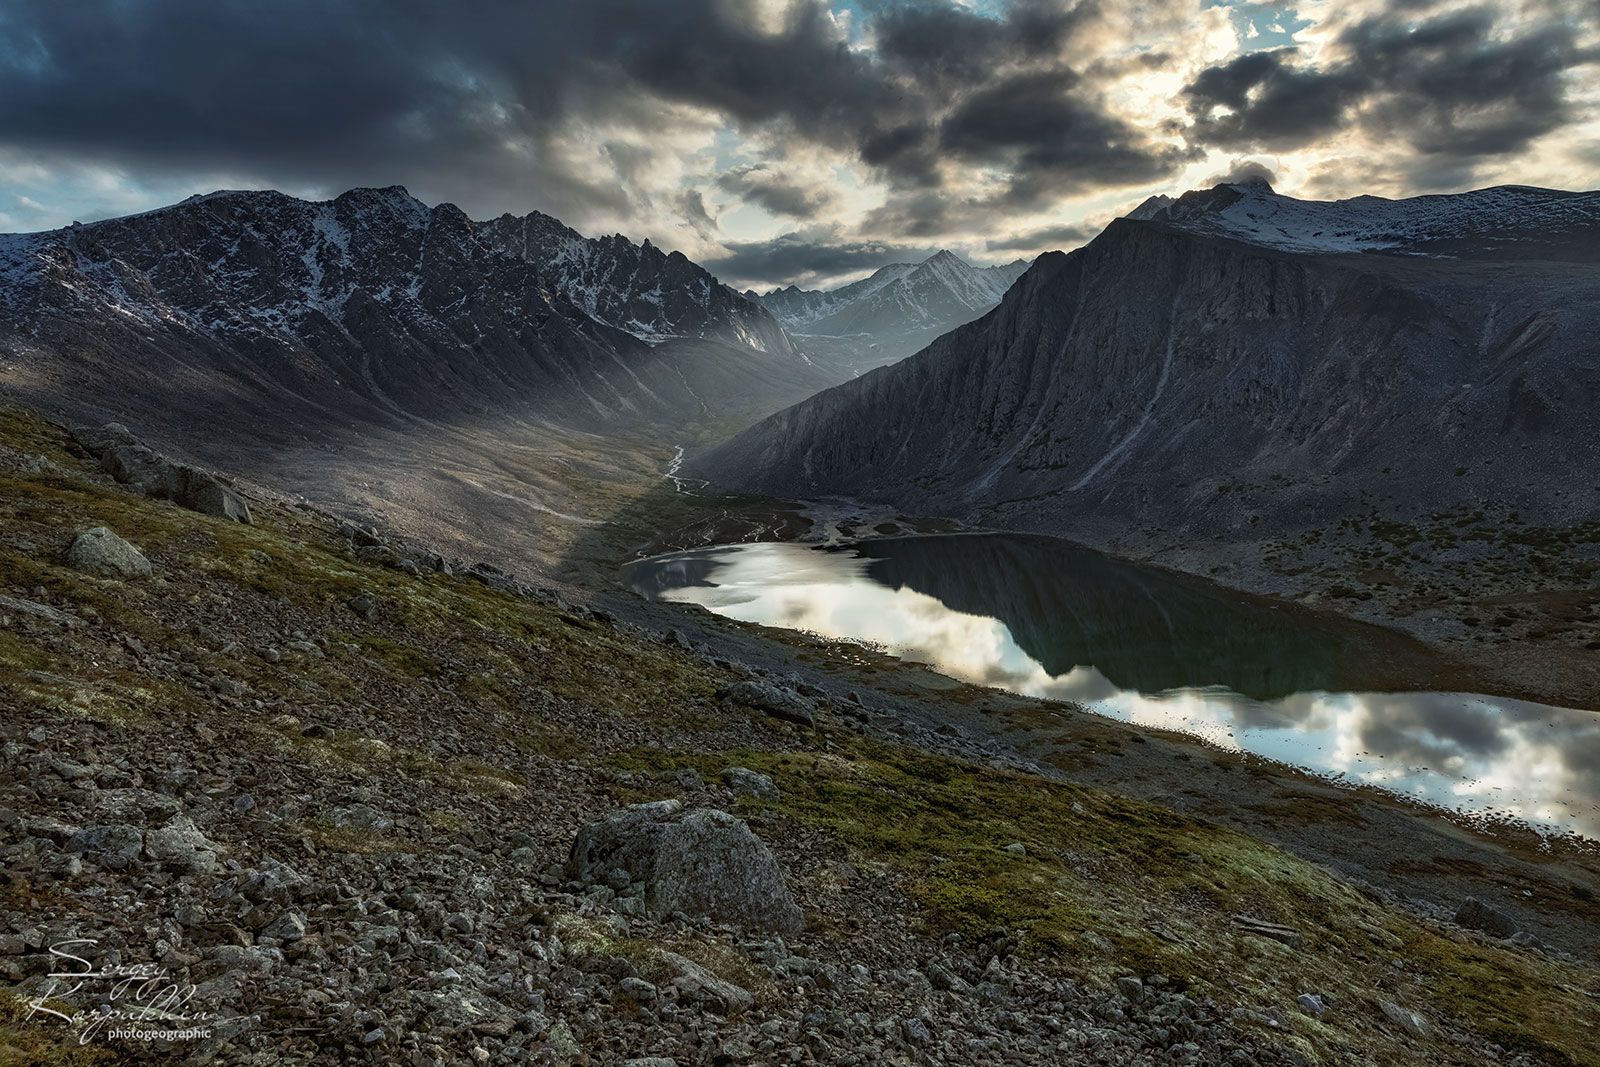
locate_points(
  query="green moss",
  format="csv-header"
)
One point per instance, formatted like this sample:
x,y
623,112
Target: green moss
x,y
42,1041
1163,890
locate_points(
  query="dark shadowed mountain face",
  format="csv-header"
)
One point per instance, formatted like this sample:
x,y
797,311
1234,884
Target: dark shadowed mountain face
x,y
893,313
255,309
639,288
1244,340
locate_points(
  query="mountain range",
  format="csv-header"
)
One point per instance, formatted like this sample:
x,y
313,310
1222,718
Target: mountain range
x,y
894,312
260,308
1235,365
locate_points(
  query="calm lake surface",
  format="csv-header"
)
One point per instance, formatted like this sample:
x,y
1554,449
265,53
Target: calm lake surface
x,y
1049,619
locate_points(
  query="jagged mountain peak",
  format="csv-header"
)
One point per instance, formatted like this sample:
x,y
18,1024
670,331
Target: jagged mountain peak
x,y
651,294
895,310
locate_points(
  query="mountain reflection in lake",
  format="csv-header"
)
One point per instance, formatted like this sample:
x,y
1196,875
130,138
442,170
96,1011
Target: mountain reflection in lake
x,y
1049,619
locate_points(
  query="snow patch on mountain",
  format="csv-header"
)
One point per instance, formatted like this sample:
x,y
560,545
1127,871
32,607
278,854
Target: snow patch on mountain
x,y
1446,224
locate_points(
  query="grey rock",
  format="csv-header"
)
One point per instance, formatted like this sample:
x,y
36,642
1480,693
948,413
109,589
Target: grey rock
x,y
640,990
205,493
1409,1021
146,471
360,817
1474,914
752,783
99,551
703,862
288,926
698,983
127,804
778,701
113,846
1311,1004
560,1041
915,1031
364,604
39,611
181,846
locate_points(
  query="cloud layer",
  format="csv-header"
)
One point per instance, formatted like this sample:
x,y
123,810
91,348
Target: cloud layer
x,y
789,139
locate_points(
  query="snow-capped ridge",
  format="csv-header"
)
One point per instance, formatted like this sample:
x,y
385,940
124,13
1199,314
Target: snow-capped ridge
x,y
1501,220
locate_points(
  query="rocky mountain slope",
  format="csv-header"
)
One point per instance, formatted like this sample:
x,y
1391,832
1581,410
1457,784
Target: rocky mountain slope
x,y
894,312
652,294
355,802
258,308
1197,387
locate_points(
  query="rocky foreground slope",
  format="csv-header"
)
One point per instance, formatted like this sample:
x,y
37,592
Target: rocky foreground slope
x,y
373,805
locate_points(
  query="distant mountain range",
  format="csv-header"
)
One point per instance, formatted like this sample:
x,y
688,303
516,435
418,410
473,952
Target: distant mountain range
x,y
258,308
1234,365
896,311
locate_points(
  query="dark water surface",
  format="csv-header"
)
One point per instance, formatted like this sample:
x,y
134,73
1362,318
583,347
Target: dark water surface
x,y
1049,619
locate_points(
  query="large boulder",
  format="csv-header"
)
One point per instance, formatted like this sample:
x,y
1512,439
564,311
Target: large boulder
x,y
99,551
1474,914
146,471
701,862
205,493
181,846
778,701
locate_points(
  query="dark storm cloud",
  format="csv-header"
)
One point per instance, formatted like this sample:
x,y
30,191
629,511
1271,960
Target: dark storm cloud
x,y
1047,239
1262,98
1450,85
473,104
796,256
765,184
1053,138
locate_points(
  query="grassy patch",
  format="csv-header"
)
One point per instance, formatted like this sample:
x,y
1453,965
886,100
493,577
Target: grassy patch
x,y
42,1041
1163,890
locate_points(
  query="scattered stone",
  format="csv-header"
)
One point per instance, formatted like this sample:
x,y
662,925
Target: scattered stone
x,y
561,1043
1407,1020
1017,848
641,991
364,604
1131,987
39,611
1474,914
288,926
1286,935
1311,1004
700,862
752,783
114,846
181,846
99,551
697,983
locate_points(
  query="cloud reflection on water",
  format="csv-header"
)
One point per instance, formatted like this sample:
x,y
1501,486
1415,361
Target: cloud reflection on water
x,y
1481,755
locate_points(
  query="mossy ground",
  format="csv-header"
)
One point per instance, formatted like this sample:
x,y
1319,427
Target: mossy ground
x,y
1111,886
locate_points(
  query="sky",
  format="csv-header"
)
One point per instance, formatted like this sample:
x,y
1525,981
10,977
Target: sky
x,y
790,141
